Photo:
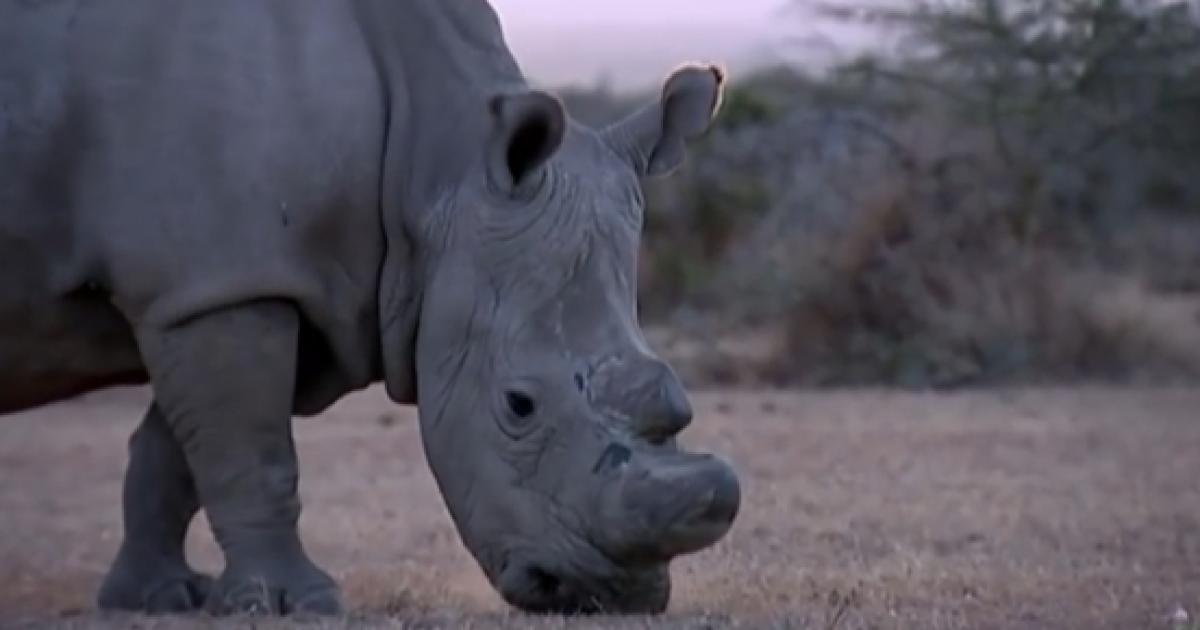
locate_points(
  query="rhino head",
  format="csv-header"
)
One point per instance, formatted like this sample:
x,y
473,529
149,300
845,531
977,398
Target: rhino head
x,y
548,422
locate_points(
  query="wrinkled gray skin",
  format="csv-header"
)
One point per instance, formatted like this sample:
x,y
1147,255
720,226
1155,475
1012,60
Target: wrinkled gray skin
x,y
259,207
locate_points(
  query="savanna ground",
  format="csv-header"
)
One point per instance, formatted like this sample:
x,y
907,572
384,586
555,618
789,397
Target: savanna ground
x,y
1037,508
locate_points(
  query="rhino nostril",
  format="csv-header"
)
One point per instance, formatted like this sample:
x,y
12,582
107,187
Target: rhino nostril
x,y
544,582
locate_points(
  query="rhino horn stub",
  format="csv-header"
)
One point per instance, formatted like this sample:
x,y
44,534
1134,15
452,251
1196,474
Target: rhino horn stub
x,y
648,393
672,505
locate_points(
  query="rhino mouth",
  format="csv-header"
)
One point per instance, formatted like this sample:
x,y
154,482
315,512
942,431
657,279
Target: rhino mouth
x,y
542,586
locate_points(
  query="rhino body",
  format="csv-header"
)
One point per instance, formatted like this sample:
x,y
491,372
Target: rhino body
x,y
259,207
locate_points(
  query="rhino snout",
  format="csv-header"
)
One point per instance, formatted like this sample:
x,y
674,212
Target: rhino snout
x,y
658,503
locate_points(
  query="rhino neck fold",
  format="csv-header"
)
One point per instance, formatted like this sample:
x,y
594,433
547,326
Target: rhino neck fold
x,y
439,64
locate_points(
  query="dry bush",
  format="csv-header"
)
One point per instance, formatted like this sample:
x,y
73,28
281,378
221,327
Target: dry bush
x,y
916,250
924,293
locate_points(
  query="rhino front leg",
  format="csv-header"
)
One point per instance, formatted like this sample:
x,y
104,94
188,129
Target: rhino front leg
x,y
224,382
159,500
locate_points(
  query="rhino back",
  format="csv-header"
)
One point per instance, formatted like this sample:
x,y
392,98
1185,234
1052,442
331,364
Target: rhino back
x,y
162,159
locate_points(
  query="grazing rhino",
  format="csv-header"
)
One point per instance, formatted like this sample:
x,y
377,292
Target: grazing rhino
x,y
259,207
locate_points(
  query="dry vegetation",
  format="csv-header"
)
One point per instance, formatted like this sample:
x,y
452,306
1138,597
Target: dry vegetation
x,y
1044,508
1009,199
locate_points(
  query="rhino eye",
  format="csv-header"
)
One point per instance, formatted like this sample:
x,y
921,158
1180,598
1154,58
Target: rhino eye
x,y
520,404
518,421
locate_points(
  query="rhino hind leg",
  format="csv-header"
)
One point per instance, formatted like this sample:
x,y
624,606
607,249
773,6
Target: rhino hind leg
x,y
224,382
159,500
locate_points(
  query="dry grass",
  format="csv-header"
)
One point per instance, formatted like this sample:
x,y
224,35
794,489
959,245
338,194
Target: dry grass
x,y
1057,508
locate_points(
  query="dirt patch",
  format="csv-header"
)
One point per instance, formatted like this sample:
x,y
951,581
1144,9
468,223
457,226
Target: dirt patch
x,y
1073,508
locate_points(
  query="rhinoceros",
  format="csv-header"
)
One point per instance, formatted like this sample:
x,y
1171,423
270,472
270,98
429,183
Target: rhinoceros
x,y
260,207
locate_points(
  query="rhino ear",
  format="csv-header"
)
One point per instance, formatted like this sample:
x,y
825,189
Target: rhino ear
x,y
527,129
654,137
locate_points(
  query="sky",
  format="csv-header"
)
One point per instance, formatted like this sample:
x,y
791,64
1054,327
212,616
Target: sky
x,y
534,12
632,44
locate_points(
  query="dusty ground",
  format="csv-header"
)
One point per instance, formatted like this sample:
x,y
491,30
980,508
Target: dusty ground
x,y
1034,509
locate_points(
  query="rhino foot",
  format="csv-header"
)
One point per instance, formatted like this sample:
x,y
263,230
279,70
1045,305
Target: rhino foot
x,y
153,586
150,573
275,591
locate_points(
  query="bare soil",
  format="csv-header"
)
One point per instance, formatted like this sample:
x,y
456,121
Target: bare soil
x,y
1055,508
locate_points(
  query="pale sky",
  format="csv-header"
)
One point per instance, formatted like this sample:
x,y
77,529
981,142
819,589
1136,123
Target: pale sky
x,y
521,13
634,43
